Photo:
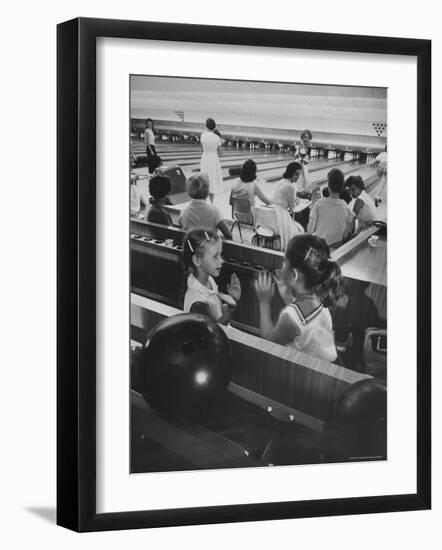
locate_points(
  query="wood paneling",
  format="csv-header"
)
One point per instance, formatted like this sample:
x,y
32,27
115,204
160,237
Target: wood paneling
x,y
293,379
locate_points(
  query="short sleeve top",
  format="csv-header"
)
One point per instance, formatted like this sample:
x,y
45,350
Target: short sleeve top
x,y
242,190
200,214
368,212
285,194
331,219
149,137
315,330
197,292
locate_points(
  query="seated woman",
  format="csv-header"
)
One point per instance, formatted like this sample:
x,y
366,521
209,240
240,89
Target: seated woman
x,y
246,186
285,200
159,187
199,212
363,205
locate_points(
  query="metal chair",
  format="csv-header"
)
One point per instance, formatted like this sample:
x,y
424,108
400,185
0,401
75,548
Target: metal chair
x,y
241,213
266,228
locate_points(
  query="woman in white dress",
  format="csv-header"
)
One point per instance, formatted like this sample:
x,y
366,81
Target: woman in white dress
x,y
210,165
284,200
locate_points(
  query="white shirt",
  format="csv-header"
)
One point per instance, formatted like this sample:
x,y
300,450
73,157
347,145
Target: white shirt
x,y
382,160
316,332
197,292
368,212
149,137
382,157
331,219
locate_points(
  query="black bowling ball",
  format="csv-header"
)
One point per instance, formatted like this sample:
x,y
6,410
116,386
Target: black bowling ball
x,y
185,365
364,403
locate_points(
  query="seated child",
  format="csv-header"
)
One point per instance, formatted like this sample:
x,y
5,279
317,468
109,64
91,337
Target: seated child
x,y
202,263
331,218
159,187
364,207
310,283
199,213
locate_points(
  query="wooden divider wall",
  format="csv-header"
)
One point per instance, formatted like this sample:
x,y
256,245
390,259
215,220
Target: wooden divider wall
x,y
304,384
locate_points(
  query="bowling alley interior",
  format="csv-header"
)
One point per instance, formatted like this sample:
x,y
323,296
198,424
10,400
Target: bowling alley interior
x,y
258,274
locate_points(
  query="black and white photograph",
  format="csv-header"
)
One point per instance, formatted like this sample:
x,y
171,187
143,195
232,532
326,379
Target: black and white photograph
x,y
207,342
258,273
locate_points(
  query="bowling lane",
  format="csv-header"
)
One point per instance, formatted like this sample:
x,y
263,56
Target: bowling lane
x,y
189,158
266,165
186,153
271,165
228,159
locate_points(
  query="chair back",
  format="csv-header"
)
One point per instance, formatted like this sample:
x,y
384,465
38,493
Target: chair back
x,y
174,214
242,211
266,217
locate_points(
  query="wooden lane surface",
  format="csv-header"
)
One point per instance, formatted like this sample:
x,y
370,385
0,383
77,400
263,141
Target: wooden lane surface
x,y
362,262
301,383
368,264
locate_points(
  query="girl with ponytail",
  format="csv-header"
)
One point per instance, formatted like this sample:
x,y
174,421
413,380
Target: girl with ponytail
x,y
310,283
202,259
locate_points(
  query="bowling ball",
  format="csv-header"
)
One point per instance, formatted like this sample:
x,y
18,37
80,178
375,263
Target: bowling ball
x,y
185,365
363,404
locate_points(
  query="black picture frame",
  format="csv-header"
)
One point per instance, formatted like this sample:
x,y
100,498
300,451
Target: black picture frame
x,y
76,273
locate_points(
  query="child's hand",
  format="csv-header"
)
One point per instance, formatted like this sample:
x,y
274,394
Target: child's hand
x,y
284,291
234,288
227,301
264,287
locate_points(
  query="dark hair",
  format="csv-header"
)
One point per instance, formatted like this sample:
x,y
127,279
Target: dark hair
x,y
194,242
217,133
149,119
306,132
345,194
210,124
198,186
357,181
311,256
335,180
159,186
248,171
291,169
